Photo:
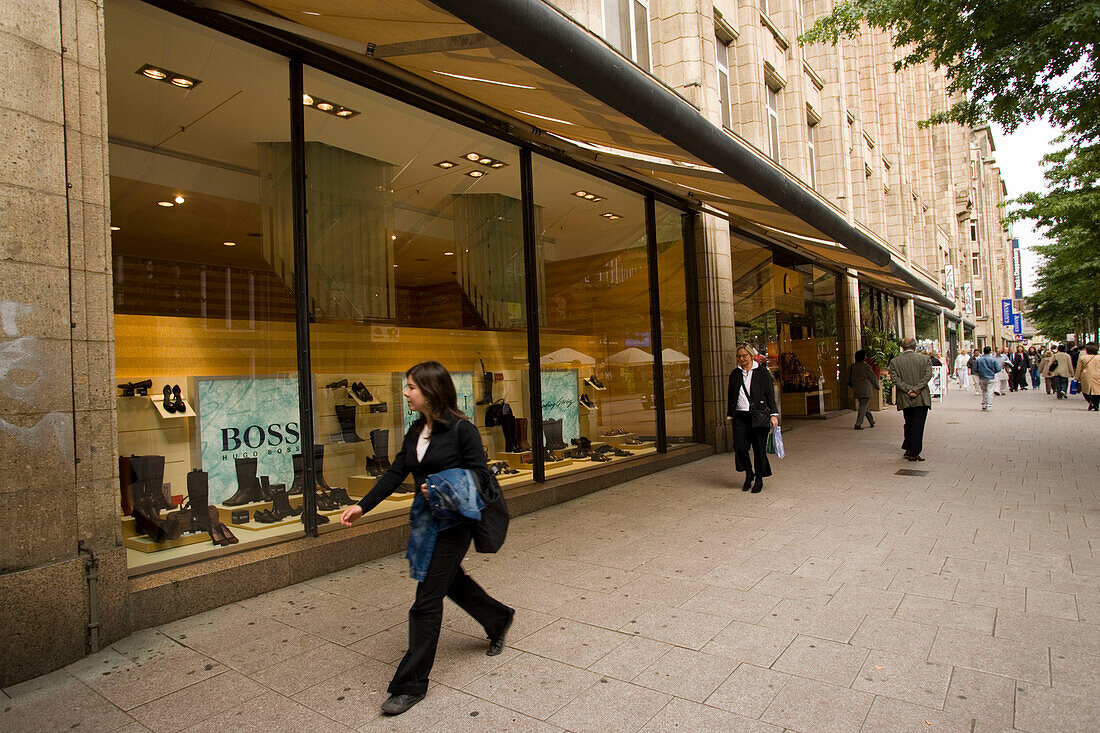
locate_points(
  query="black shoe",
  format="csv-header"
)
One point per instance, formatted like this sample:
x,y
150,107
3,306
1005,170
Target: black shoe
x,y
857,428
915,458
177,400
871,423
748,481
169,403
397,704
757,486
587,402
360,390
496,643
338,383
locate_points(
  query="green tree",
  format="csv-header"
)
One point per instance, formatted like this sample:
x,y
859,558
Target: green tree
x,y
1012,61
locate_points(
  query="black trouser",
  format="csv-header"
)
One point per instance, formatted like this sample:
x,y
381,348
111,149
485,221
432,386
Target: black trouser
x,y
914,429
744,436
445,578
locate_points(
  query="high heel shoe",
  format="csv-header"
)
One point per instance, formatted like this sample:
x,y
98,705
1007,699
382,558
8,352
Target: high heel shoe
x,y
168,402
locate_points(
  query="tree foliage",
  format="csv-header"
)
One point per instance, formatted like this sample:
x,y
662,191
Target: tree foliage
x,y
1012,61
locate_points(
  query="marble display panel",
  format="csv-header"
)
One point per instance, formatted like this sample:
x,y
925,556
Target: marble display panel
x,y
560,400
248,417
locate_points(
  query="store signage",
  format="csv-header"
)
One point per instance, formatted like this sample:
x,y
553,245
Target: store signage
x,y
1017,270
1017,323
1006,311
949,280
248,417
968,299
790,296
559,400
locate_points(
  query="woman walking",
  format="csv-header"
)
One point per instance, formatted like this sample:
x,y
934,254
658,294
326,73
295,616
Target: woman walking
x,y
1044,365
862,379
750,400
1088,374
1033,366
1061,369
441,438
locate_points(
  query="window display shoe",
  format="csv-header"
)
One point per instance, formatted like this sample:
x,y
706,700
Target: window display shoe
x,y
595,382
397,704
177,400
600,458
337,384
360,390
264,516
169,403
340,496
587,402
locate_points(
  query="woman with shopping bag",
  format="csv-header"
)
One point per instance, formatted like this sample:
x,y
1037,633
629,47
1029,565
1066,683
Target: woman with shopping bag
x,y
1088,375
752,410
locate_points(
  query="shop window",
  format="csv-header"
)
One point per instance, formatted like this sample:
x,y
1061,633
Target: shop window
x,y
205,346
626,28
594,320
675,327
415,239
772,102
722,48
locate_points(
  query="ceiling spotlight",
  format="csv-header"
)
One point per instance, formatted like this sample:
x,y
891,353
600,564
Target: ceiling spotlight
x,y
476,174
497,164
158,73
165,203
342,112
598,198
325,106
448,254
609,215
590,196
115,229
393,237
485,161
230,244
307,100
445,164
581,194
179,199
395,265
473,156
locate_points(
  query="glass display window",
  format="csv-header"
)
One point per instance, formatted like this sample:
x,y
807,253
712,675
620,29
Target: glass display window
x,y
675,326
595,335
205,345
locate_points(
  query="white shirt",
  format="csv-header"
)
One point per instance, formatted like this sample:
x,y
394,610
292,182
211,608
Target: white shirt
x,y
422,442
961,361
742,394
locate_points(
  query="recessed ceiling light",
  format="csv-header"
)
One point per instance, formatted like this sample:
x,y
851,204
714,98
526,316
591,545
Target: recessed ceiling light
x,y
497,164
115,229
445,164
598,198
325,106
582,194
393,237
165,203
307,100
158,73
153,73
328,107
609,215
182,81
476,174
590,196
485,161
230,244
179,199
342,112
472,156
448,254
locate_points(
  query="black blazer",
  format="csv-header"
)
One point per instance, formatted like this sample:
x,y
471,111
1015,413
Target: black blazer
x,y
455,443
760,389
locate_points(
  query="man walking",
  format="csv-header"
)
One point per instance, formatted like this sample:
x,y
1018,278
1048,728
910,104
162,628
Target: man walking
x,y
911,372
986,369
1061,369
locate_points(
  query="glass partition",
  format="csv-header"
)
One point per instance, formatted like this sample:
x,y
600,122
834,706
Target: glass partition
x,y
675,339
415,240
205,348
594,320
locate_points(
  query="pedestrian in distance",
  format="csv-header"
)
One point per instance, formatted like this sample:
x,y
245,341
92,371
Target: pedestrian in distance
x,y
1088,374
910,373
1002,376
962,370
441,438
1017,378
986,369
1060,369
1033,366
864,383
1044,365
973,374
750,406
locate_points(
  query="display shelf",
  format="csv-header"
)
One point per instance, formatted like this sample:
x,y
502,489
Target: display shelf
x,y
593,386
143,543
515,460
158,402
361,403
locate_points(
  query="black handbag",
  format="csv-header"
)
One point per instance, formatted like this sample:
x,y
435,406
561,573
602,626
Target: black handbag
x,y
759,414
490,531
495,412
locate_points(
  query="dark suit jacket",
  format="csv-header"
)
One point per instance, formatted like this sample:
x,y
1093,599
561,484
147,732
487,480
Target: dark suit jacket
x,y
760,389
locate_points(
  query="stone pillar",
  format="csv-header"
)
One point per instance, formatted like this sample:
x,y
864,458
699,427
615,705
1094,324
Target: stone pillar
x,y
717,332
909,319
58,491
850,334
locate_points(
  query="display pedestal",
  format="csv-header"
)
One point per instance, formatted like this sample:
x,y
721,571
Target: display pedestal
x,y
515,460
134,540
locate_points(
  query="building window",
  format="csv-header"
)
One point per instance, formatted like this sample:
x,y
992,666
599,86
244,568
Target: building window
x,y
979,309
973,230
722,49
769,6
975,265
773,122
626,27
811,149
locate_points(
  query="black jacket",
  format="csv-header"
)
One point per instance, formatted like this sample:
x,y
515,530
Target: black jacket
x,y
760,389
455,443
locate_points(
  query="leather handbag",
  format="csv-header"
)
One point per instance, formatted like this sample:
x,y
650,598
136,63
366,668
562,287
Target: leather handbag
x,y
490,531
759,414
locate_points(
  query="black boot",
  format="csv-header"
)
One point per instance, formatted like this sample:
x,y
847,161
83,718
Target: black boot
x,y
521,434
248,486
280,504
486,388
198,498
380,440
346,415
583,449
126,484
299,474
319,467
265,488
149,499
340,496
508,427
551,430
373,467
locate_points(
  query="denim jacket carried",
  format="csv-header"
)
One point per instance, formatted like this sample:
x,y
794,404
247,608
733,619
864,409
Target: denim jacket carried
x,y
453,498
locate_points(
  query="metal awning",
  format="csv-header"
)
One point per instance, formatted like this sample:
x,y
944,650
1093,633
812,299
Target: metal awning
x,y
539,70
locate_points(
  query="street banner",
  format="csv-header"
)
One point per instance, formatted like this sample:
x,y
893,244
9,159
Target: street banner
x,y
1017,270
1006,311
1017,324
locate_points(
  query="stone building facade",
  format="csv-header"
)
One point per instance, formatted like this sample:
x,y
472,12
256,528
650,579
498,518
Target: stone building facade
x,y
836,125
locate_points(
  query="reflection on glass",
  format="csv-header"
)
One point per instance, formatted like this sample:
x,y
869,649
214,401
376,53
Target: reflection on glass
x,y
597,357
204,317
674,325
411,259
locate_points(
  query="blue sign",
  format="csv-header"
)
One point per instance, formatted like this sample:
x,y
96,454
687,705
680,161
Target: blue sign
x,y
1018,323
249,417
1006,311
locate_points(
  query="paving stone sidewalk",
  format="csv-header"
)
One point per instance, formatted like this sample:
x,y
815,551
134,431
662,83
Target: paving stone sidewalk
x,y
843,598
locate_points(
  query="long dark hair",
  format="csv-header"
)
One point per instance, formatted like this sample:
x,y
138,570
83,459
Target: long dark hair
x,y
438,388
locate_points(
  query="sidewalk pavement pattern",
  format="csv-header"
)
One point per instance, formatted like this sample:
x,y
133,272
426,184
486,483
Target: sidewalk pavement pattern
x,y
845,597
